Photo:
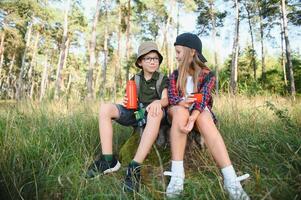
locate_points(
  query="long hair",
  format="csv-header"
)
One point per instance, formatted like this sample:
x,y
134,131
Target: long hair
x,y
189,64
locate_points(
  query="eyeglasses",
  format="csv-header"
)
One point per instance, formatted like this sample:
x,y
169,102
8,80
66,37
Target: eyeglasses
x,y
149,59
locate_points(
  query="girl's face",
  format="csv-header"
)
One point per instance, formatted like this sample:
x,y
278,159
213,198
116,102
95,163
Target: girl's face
x,y
150,62
180,52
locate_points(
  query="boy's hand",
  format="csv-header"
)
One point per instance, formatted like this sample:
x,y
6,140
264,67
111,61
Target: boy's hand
x,y
189,126
154,108
125,101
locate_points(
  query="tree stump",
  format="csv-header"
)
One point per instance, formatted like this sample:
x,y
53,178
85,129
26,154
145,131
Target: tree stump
x,y
159,156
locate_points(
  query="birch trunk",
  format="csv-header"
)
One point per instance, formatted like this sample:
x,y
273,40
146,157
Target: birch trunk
x,y
288,51
92,53
234,63
213,22
2,51
19,91
31,68
128,39
263,75
105,52
253,60
62,54
283,54
44,79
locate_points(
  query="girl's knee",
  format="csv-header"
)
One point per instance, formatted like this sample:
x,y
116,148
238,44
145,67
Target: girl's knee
x,y
204,117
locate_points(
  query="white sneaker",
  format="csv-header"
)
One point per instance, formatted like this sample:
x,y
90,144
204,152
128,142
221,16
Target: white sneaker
x,y
235,190
176,184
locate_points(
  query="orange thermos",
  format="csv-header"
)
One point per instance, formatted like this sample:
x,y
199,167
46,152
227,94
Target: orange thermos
x,y
131,93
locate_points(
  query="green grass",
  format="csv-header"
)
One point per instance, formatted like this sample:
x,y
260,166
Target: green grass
x,y
46,148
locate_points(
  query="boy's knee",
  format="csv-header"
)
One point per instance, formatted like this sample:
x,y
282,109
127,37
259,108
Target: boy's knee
x,y
105,110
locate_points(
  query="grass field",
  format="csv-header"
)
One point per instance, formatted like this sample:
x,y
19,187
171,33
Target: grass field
x,y
46,148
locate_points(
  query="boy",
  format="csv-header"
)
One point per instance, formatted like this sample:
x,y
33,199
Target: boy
x,y
149,60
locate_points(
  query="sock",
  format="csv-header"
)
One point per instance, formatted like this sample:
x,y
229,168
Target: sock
x,y
134,164
177,167
228,173
108,157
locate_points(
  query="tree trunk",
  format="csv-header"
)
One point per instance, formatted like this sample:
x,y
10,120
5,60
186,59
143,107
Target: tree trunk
x,y
213,22
234,63
165,38
128,39
263,75
92,53
105,52
62,54
117,78
44,79
283,53
9,76
2,51
31,67
19,91
253,60
288,51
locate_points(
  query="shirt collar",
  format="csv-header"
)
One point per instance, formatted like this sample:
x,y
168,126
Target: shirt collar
x,y
155,75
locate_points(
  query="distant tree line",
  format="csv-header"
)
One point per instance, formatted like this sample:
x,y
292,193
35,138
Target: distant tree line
x,y
51,49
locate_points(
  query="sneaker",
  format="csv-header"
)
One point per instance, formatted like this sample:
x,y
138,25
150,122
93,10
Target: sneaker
x,y
235,190
176,184
132,179
101,166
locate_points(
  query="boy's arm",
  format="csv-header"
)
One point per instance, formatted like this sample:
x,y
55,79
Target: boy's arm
x,y
164,98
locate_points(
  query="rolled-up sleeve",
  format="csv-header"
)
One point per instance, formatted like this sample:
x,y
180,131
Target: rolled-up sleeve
x,y
173,93
206,90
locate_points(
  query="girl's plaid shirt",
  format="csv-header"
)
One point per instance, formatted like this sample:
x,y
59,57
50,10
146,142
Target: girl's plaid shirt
x,y
205,86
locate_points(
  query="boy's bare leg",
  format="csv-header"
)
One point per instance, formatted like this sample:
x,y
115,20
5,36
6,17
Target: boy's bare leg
x,y
106,113
149,136
178,139
213,139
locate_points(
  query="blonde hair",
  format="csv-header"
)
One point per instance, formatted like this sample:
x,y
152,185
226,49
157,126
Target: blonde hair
x,y
188,63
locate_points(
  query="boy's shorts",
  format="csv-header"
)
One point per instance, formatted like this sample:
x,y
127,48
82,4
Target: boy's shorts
x,y
127,117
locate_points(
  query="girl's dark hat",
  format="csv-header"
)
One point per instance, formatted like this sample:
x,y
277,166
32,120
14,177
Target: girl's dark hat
x,y
192,41
145,48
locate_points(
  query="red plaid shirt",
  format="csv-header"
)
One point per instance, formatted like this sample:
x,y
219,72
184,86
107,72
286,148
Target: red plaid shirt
x,y
205,86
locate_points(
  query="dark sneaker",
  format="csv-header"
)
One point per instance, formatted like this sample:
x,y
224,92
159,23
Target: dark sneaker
x,y
101,166
132,179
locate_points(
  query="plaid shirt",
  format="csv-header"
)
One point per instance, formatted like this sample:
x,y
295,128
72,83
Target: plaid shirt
x,y
205,86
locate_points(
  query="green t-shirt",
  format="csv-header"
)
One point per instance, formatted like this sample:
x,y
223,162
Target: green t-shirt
x,y
148,93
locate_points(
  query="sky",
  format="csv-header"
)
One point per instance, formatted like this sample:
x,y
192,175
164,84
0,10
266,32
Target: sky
x,y
225,40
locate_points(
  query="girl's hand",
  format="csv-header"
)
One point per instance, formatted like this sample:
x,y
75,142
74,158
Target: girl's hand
x,y
154,108
187,102
189,126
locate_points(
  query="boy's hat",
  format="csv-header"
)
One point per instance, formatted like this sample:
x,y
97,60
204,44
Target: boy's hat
x,y
145,48
192,41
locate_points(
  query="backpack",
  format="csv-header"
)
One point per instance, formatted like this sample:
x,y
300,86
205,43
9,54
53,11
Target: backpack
x,y
158,84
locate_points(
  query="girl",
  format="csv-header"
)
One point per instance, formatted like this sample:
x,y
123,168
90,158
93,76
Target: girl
x,y
194,76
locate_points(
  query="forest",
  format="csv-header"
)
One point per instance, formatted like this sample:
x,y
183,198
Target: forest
x,y
60,58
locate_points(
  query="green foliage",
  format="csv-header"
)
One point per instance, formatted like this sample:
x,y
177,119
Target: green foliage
x,y
45,150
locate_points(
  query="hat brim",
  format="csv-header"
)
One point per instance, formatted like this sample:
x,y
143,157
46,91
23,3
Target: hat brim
x,y
160,58
202,58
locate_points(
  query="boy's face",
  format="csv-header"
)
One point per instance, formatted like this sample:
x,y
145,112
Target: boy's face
x,y
149,62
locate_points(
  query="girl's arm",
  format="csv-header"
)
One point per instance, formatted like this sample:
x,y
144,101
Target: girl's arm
x,y
173,93
206,90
